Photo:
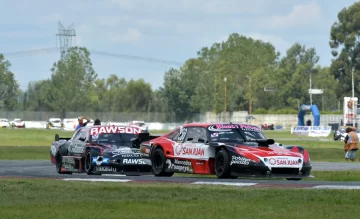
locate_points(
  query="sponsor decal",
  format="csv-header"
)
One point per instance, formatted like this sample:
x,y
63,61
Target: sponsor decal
x,y
193,151
250,127
180,165
99,160
283,162
105,169
68,166
281,153
239,160
222,127
76,148
68,160
114,129
125,151
214,135
130,155
182,162
189,149
133,161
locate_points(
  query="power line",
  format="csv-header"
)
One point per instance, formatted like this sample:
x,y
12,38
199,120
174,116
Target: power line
x,y
95,52
130,57
30,52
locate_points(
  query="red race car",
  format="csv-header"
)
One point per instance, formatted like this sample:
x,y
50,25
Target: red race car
x,y
227,150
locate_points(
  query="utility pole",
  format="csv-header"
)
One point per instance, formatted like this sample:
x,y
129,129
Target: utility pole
x,y
225,79
310,89
354,108
65,37
249,95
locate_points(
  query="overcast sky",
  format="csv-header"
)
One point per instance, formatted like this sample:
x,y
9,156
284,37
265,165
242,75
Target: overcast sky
x,y
171,30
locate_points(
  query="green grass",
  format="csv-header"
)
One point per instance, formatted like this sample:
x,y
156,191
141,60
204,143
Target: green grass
x,y
344,175
30,137
60,199
287,134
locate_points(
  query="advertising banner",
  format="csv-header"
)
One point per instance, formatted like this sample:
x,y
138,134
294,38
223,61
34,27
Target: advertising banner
x,y
350,110
312,131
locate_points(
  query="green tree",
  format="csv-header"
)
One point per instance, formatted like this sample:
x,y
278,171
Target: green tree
x,y
71,81
344,40
293,76
39,96
9,87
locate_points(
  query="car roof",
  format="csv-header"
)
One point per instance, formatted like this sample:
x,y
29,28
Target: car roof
x,y
213,123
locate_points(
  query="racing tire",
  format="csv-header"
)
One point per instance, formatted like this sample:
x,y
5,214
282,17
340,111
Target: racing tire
x,y
222,164
58,164
88,166
159,163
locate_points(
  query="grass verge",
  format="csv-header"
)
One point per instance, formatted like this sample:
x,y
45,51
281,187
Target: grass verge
x,y
59,199
342,176
35,137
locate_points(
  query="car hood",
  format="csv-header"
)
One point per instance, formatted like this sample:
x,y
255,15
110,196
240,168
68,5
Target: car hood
x,y
272,150
120,151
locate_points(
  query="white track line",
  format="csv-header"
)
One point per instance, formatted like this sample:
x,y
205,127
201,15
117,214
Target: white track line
x,y
224,183
334,187
97,180
112,175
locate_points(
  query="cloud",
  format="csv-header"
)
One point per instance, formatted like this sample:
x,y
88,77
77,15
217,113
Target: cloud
x,y
111,21
306,14
126,4
130,36
150,22
279,43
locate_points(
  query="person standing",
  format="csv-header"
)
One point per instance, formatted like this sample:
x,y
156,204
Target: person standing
x,y
351,144
81,122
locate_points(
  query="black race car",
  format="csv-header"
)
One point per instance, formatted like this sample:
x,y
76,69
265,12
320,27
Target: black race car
x,y
101,150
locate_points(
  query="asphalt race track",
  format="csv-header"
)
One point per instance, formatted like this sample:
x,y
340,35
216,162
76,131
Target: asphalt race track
x,y
46,170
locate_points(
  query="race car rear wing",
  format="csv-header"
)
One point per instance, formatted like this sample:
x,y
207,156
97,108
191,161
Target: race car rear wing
x,y
57,138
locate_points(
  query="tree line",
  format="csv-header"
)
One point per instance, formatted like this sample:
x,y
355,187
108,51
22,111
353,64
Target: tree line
x,y
238,74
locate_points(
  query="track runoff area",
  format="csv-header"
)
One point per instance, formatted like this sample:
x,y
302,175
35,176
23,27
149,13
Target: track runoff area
x,y
43,169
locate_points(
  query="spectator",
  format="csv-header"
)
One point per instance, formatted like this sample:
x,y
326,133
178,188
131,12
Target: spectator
x,y
97,122
81,122
351,144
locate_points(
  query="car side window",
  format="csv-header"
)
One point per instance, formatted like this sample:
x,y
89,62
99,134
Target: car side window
x,y
195,133
173,134
84,134
76,135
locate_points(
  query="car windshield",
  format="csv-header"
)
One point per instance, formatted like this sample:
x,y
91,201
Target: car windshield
x,y
118,139
254,135
232,132
226,135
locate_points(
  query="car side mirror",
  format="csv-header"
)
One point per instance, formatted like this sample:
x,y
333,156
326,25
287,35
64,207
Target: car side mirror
x,y
189,139
82,139
201,140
